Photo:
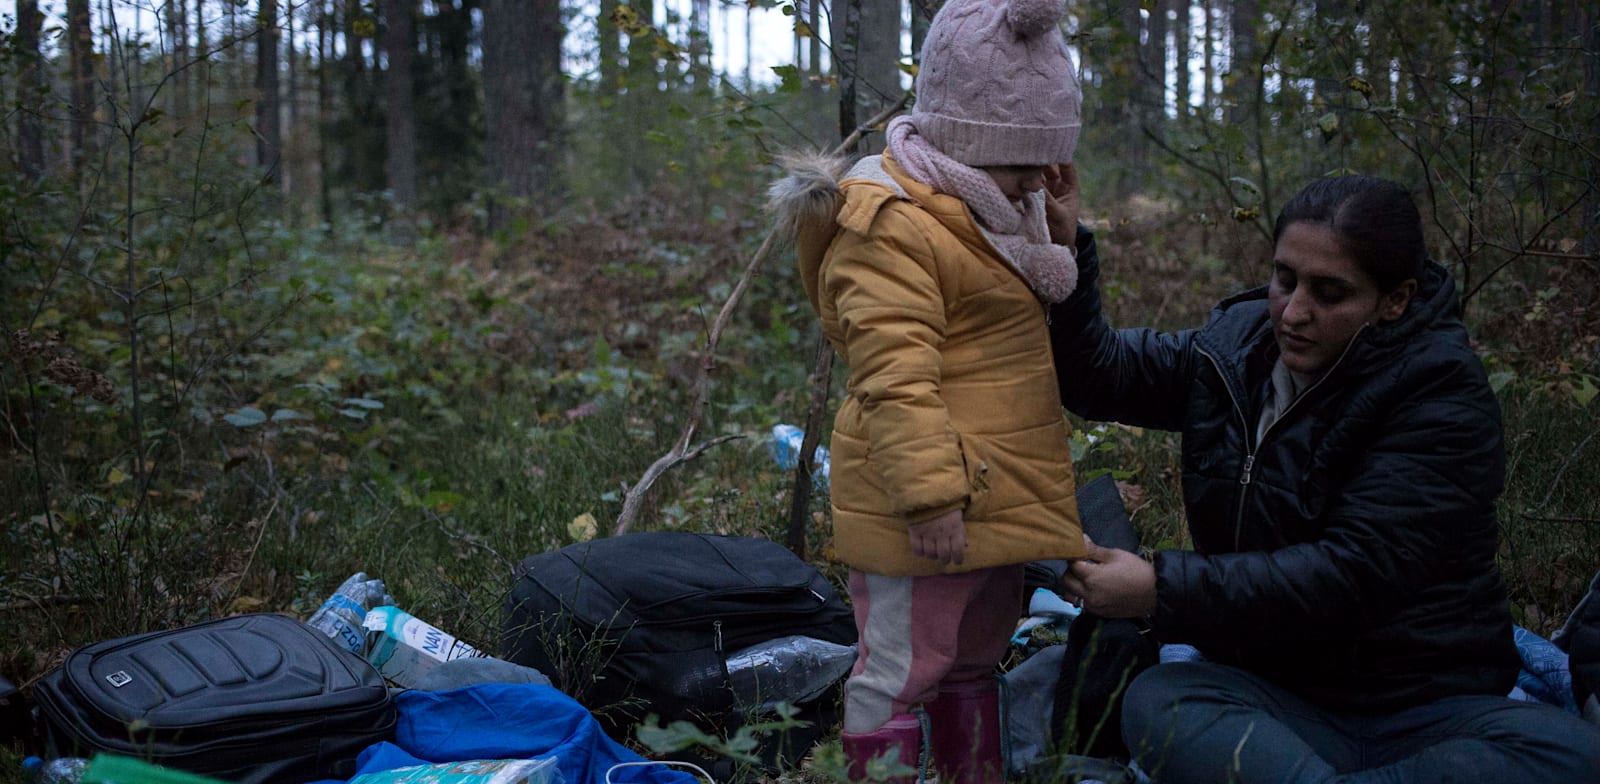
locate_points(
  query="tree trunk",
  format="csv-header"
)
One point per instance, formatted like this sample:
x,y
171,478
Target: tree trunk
x,y
610,49
878,58
80,38
1591,81
326,30
30,136
639,103
814,56
1244,55
267,131
1155,62
700,43
400,116
1332,19
1208,68
845,22
1182,39
523,95
177,12
291,95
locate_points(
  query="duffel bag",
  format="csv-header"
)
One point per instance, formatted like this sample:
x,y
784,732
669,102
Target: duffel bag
x,y
644,623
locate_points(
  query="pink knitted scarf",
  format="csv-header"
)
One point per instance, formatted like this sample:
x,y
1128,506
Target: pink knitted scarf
x,y
1018,231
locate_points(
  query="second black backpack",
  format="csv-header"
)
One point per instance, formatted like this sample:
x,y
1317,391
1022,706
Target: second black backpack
x,y
643,623
251,699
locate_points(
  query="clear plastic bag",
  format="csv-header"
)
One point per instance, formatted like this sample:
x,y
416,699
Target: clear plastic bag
x,y
509,771
791,669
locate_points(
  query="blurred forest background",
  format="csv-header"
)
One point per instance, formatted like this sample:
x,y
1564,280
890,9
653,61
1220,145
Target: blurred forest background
x,y
295,289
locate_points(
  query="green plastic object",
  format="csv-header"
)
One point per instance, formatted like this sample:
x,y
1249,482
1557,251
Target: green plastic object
x,y
109,769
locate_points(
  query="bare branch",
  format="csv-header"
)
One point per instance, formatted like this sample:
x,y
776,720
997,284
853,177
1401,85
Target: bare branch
x,y
681,451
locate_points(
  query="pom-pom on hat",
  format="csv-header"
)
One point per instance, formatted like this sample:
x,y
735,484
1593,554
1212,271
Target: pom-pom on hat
x,y
996,85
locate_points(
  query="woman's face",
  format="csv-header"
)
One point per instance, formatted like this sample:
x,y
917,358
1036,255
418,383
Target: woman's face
x,y
1319,297
1015,181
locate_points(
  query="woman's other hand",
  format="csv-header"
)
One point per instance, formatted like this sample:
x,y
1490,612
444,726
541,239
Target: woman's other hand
x,y
1062,203
943,539
1111,583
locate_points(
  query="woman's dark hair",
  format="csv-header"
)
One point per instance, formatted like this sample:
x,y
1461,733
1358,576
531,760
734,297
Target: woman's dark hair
x,y
1375,220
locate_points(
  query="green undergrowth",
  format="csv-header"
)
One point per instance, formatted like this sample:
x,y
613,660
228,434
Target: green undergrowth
x,y
432,414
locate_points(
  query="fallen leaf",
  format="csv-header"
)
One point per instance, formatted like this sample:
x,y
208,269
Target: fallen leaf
x,y
583,528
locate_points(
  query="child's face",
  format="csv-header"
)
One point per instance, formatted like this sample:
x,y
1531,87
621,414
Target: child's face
x,y
1015,181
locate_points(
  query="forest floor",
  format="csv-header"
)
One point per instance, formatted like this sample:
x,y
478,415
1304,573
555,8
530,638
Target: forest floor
x,y
432,413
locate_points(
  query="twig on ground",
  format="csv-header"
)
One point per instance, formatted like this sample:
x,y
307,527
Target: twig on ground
x,y
42,602
238,583
1561,519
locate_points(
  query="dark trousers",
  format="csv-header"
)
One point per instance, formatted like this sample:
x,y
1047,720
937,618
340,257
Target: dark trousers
x,y
1210,723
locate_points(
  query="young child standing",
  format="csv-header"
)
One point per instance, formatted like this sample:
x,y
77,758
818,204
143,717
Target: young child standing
x,y
930,267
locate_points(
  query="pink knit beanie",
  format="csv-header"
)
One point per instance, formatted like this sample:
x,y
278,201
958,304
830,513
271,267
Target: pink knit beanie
x,y
996,85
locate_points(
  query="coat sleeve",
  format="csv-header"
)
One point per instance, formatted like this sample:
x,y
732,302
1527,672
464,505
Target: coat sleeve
x,y
1416,511
1138,376
886,288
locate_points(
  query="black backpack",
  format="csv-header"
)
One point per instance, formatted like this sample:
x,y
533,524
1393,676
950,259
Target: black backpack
x,y
250,699
643,623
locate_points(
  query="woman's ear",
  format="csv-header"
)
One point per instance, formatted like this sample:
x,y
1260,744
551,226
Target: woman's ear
x,y
1393,305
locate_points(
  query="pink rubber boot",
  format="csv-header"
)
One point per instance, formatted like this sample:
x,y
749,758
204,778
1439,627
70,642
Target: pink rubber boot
x,y
965,734
901,735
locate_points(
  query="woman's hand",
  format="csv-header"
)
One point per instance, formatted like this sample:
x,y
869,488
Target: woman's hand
x,y
1062,203
944,538
1111,583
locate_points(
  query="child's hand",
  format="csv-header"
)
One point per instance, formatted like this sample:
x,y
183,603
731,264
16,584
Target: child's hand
x,y
944,538
1061,203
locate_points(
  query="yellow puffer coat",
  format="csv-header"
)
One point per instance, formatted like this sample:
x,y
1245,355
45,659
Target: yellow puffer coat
x,y
952,399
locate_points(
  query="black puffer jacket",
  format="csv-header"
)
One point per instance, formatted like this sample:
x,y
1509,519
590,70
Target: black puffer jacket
x,y
1349,556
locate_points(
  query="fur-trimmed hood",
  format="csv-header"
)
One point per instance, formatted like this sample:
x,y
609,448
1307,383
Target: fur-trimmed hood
x,y
805,206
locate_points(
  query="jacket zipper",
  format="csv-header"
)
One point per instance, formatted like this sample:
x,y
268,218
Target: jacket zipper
x,y
1252,446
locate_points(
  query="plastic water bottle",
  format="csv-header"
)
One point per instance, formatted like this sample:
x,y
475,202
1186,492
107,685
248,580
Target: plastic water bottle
x,y
785,444
790,669
341,615
63,770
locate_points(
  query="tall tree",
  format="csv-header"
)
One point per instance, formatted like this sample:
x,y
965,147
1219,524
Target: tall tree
x,y
866,60
1591,81
80,38
814,21
326,30
610,49
641,78
268,135
30,137
400,116
1183,48
523,94
450,131
1244,55
1208,47
177,18
1153,57
700,43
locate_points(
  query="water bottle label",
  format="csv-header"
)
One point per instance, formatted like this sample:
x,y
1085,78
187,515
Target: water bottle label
x,y
339,601
434,642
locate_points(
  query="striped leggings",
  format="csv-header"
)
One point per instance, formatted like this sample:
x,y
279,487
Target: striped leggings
x,y
919,632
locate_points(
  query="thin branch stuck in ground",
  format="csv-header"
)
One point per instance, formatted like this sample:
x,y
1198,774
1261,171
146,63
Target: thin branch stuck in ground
x,y
681,451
